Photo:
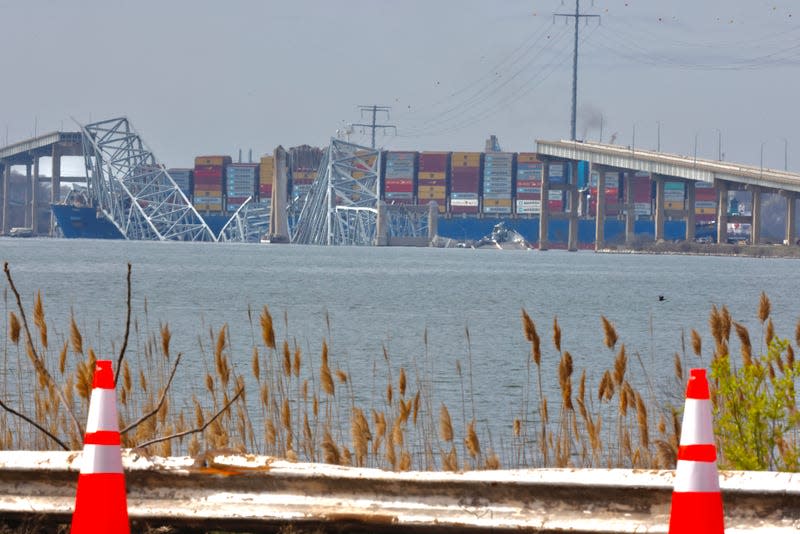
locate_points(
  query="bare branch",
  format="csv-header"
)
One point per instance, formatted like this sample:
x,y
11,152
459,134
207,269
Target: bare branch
x,y
37,360
34,423
127,329
195,430
160,402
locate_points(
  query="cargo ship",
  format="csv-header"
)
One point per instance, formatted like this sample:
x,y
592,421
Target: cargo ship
x,y
474,191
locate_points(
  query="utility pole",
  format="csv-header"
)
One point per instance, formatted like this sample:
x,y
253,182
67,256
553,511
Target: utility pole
x,y
373,126
577,16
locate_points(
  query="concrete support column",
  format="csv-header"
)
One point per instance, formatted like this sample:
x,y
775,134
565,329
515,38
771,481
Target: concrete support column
x,y
26,191
659,223
690,210
791,234
433,220
35,197
544,216
55,186
382,225
600,215
722,211
278,221
572,245
6,216
755,226
630,208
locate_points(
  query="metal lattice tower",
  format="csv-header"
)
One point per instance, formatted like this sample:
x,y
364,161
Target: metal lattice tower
x,y
250,223
133,190
342,206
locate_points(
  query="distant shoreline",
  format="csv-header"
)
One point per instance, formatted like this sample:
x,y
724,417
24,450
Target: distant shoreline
x,y
706,249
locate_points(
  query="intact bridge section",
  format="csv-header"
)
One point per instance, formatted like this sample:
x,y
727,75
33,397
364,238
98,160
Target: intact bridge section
x,y
662,169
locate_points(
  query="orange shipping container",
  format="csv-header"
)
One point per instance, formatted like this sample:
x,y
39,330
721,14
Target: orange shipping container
x,y
208,193
436,191
465,159
432,176
216,161
527,157
496,202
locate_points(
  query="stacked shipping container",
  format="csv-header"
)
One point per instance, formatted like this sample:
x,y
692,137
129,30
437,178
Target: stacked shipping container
x,y
432,178
674,195
498,173
208,182
642,194
240,182
266,178
400,177
465,182
529,184
557,174
705,202
183,179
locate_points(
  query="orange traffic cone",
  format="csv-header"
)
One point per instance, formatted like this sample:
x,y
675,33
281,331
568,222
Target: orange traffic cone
x,y
696,498
100,504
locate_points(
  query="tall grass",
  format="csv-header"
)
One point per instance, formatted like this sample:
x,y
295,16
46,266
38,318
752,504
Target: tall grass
x,y
279,401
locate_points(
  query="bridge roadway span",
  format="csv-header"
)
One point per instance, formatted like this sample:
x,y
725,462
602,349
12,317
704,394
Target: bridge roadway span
x,y
261,493
27,153
662,168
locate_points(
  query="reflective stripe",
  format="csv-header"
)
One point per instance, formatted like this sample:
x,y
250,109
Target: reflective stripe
x,y
698,453
103,437
101,459
102,411
697,426
696,476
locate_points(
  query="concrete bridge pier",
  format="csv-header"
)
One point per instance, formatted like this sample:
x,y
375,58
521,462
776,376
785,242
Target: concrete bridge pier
x,y
600,214
572,244
35,197
544,216
659,217
630,208
791,216
433,220
722,210
690,209
5,215
755,225
55,185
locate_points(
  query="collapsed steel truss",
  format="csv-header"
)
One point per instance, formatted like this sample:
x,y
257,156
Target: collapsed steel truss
x,y
342,206
134,191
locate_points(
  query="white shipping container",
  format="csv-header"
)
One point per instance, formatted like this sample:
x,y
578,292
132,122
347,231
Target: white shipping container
x,y
642,208
529,206
497,209
464,202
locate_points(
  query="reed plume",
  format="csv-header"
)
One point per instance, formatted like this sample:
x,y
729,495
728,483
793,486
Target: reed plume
x,y
405,461
565,380
715,324
697,344
556,334
450,460
797,333
76,340
342,376
445,424
401,384
255,365
298,358
727,322
14,327
62,358
330,451
286,415
763,307
471,441
678,368
620,365
38,318
533,337
359,428
327,380
641,418
287,359
609,333
744,338
166,336
267,331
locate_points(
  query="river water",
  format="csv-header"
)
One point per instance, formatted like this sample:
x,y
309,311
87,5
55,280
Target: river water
x,y
416,304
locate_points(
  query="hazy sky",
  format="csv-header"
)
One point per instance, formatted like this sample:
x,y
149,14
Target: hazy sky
x,y
198,77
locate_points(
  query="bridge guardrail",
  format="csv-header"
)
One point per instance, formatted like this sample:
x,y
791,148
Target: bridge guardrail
x,y
254,492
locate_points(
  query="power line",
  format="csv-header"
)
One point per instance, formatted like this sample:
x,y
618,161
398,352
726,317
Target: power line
x,y
373,126
577,16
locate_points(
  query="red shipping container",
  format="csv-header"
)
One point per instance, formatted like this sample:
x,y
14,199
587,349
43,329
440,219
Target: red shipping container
x,y
212,172
398,188
433,161
265,190
555,205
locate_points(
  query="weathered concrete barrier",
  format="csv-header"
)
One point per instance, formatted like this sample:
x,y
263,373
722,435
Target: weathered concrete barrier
x,y
258,492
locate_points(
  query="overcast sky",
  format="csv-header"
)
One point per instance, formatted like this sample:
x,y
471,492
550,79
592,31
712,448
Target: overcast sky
x,y
199,77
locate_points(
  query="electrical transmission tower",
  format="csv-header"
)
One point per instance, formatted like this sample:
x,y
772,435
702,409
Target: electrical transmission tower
x,y
577,16
373,126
